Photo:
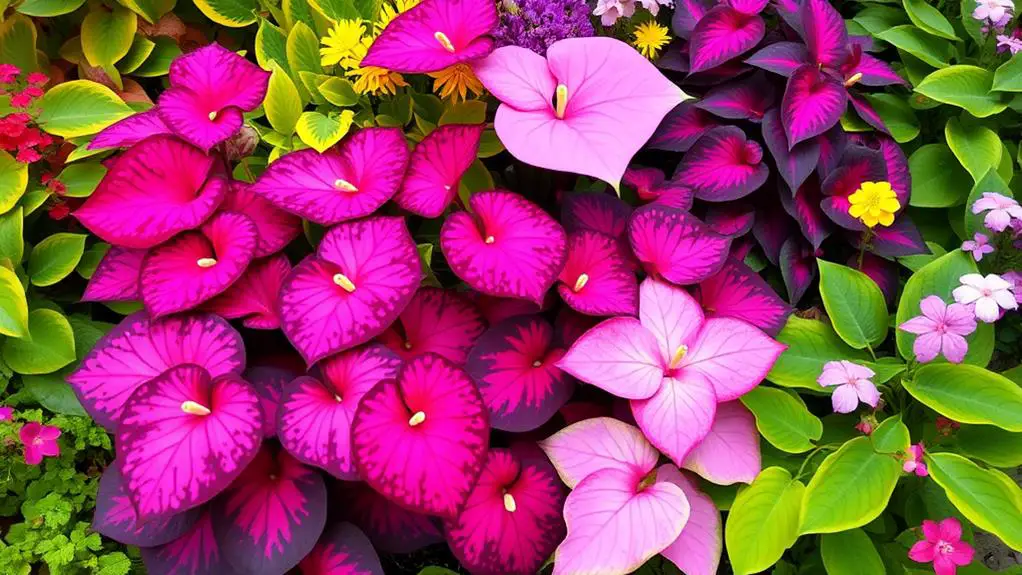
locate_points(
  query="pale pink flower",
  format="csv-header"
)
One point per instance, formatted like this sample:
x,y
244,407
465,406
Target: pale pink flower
x,y
654,5
610,10
1012,44
988,295
943,546
914,461
39,441
941,329
1002,210
852,383
6,413
979,246
992,10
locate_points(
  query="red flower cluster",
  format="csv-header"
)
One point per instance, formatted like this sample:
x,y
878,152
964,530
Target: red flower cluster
x,y
25,142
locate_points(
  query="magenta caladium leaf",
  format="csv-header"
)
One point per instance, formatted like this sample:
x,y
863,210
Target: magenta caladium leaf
x,y
152,191
434,35
195,266
812,104
680,128
272,515
687,13
435,169
497,309
798,267
748,98
697,550
116,518
805,208
794,163
883,272
436,321
900,239
196,552
730,220
563,112
738,292
348,181
209,89
116,276
130,131
140,348
253,297
514,366
507,246
832,147
722,34
342,550
601,213
723,165
421,439
748,6
651,184
788,10
865,111
730,451
596,279
875,72
184,437
314,421
363,275
771,228
512,521
591,445
780,58
390,527
858,164
276,227
268,382
674,245
825,33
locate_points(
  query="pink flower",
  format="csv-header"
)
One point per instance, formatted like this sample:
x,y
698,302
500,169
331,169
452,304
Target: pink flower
x,y
853,385
979,245
866,424
654,5
1002,210
37,79
21,100
914,461
6,413
1014,45
39,441
1015,279
988,295
992,10
943,546
610,10
946,426
941,329
8,73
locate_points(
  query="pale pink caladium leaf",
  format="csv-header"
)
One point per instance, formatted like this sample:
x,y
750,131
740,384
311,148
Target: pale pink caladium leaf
x,y
512,521
697,550
436,166
680,128
730,451
737,291
675,245
591,445
421,439
603,213
253,298
314,422
272,515
140,349
184,437
564,112
721,35
209,90
342,550
116,276
514,366
196,552
723,165
348,181
812,104
363,275
436,321
276,227
596,279
390,527
433,35
130,131
116,517
507,246
152,191
622,354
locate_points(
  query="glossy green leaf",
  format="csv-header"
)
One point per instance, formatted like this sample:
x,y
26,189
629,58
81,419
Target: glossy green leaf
x,y
339,92
917,262
988,498
929,19
850,553
13,181
141,49
49,346
1008,76
158,63
938,179
469,112
297,11
897,115
12,245
49,8
854,303
303,50
80,108
763,521
107,34
150,10
81,179
933,51
891,436
477,178
320,132
283,105
232,13
271,46
54,393
876,19
13,307
987,443
991,181
977,147
54,258
783,419
968,394
811,344
336,9
18,43
33,200
91,258
964,86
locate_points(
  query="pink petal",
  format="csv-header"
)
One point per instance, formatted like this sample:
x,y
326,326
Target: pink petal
x,y
722,34
670,314
436,321
697,550
922,551
678,416
435,169
723,165
732,355
186,113
919,325
867,392
927,346
963,553
517,76
730,451
276,227
954,347
116,276
845,399
130,131
931,531
253,298
619,356
950,530
674,245
943,565
592,445
596,279
813,103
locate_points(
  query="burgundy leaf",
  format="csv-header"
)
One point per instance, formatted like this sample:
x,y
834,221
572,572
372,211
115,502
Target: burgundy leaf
x,y
780,58
722,34
813,103
723,165
680,128
794,163
745,99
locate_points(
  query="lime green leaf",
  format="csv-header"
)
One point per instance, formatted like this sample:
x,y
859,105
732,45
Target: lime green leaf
x,y
929,19
368,9
850,489
339,92
850,552
783,419
964,86
876,19
232,13
763,521
81,179
916,262
141,48
53,393
54,258
933,51
1008,76
80,108
91,258
854,303
303,50
151,10
12,246
988,498
107,34
811,343
891,436
33,200
13,181
938,179
991,181
969,394
297,11
335,10
49,8
271,46
13,307
17,43
49,346
995,446
158,62
897,115
468,112
977,147
320,132
283,105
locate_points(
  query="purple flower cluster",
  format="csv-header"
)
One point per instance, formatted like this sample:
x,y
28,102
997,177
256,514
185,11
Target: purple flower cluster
x,y
536,24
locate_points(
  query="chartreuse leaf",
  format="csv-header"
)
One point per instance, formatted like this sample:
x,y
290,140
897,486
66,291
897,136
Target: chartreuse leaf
x,y
783,419
1008,76
49,346
320,132
933,51
854,303
969,394
335,10
151,10
12,246
811,343
938,179
763,521
283,105
850,489
339,92
271,46
995,446
850,553
988,498
929,19
467,112
80,108
158,62
107,34
967,87
297,11
991,181
17,43
977,147
13,181
13,307
891,436
54,258
81,179
49,8
232,13
141,48
897,115
303,50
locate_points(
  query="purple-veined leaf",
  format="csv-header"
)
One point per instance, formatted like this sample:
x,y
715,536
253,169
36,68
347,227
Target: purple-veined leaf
x,y
721,35
687,13
732,220
196,552
435,169
276,227
858,164
674,245
798,267
794,163
680,128
780,58
723,165
116,276
390,527
117,519
900,239
824,32
130,131
865,111
603,213
342,550
812,104
253,298
748,98
805,208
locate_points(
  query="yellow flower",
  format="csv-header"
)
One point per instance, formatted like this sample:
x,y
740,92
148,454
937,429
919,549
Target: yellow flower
x,y
389,11
340,41
455,82
874,203
650,37
370,79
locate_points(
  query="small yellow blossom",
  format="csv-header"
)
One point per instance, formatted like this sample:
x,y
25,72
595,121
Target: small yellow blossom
x,y
650,37
455,82
370,79
874,203
340,41
389,11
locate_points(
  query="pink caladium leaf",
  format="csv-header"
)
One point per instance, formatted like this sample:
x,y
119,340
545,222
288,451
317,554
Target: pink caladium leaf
x,y
268,382
678,416
651,184
563,112
812,104
209,89
390,527
798,267
196,552
348,181
116,276
140,349
825,33
748,6
737,291
421,439
730,451
314,421
152,191
117,519
276,227
434,35
805,208
130,131
437,321
674,245
687,13
272,515
342,550
195,266
680,128
596,279
507,246
512,522
435,169
721,35
514,364
363,275
619,356
184,437
794,163
748,98
603,213
858,164
697,550
592,445
253,298
723,165
865,111
780,58
900,239
731,220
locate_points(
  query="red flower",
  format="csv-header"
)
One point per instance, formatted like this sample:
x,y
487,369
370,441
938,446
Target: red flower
x,y
59,211
21,100
37,79
28,155
9,73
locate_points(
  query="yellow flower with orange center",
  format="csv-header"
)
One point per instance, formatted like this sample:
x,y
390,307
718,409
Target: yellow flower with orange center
x,y
874,203
455,82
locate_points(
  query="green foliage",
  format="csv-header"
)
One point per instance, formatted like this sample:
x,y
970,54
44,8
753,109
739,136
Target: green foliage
x,y
969,394
763,521
811,344
855,305
783,419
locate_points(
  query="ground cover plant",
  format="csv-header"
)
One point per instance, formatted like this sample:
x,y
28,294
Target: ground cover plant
x,y
355,286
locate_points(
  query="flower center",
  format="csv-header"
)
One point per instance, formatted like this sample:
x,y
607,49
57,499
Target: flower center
x,y
945,547
853,79
212,115
345,283
560,101
679,355
338,398
205,262
581,282
987,292
408,345
417,418
194,408
344,185
537,363
37,441
509,503
490,239
444,41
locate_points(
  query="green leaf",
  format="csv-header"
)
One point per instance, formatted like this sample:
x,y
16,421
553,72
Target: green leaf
x,y
876,19
232,13
854,303
811,343
933,51
339,92
18,43
49,346
891,436
80,108
297,11
13,181
763,521
897,115
988,498
13,306
938,179
969,394
54,258
468,112
991,181
995,446
1008,76
783,419
283,105
335,10
850,552
141,48
303,50
321,132
107,34
964,86
973,27
929,19
81,179
49,8
91,258
53,393
475,179
977,147
158,62
368,9
916,262
12,246
151,10
271,46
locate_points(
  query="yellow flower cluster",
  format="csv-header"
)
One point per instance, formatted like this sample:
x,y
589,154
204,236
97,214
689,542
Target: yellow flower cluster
x,y
874,203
